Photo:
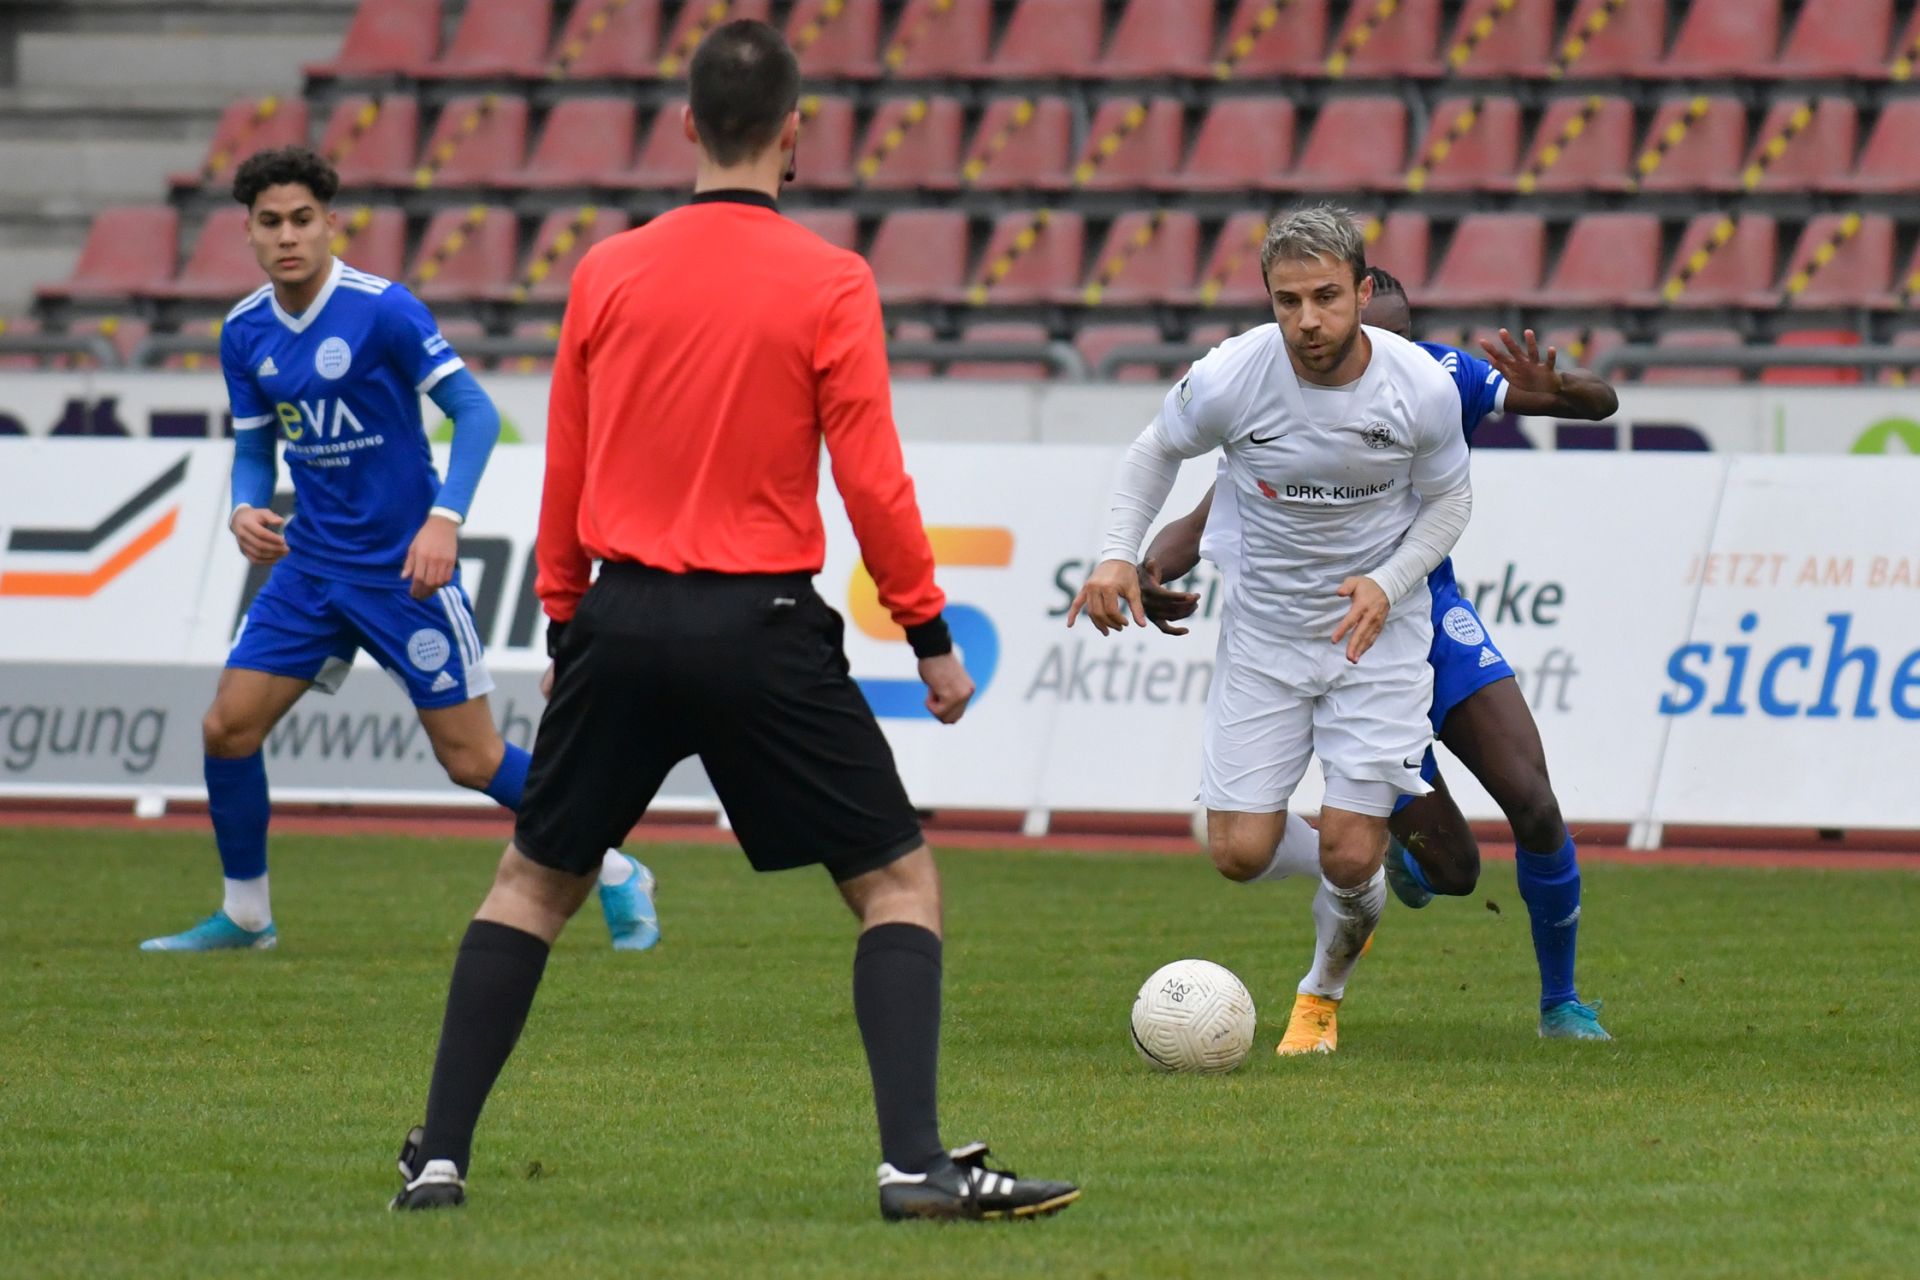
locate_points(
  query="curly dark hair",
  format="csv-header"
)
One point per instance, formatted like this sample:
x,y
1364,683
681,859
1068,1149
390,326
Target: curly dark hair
x,y
1385,283
284,166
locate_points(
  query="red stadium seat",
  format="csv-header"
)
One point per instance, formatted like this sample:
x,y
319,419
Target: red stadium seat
x,y
386,37
546,332
1502,38
372,141
475,140
1008,273
586,141
1129,143
1399,247
1382,40
608,40
666,160
1482,158
825,158
1609,259
128,250
1694,144
1356,142
912,143
1261,42
1021,142
1738,270
1582,144
465,254
497,38
909,331
838,227
695,21
1890,161
1908,339
246,127
1722,38
1002,370
563,239
1095,341
1834,38
1148,257
1842,261
920,255
124,333
1160,38
1244,144
1698,375
1047,38
193,361
1581,346
373,240
1604,40
221,266
1494,259
1231,275
836,39
1814,375
938,40
1819,146
1906,50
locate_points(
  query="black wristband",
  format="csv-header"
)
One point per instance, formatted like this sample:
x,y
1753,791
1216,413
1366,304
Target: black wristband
x,y
930,639
556,632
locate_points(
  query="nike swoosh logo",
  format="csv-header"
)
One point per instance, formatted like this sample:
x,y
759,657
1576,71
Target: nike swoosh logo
x,y
1411,764
1266,440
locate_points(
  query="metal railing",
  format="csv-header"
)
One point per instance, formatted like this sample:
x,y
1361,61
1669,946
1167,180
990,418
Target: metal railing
x,y
60,344
1749,358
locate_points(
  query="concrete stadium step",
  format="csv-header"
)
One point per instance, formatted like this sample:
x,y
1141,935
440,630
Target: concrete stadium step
x,y
202,68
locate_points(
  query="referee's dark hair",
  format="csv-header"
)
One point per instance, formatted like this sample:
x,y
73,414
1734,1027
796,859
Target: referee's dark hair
x,y
745,83
283,166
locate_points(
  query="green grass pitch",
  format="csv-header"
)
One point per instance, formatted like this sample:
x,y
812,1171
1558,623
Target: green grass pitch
x,y
702,1109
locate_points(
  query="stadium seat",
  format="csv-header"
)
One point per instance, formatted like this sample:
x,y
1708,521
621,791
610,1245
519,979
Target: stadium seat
x,y
1481,158
1358,142
475,140
1835,38
1582,144
836,39
1693,144
1818,151
1047,39
246,127
128,250
838,227
1008,273
1608,40
221,266
1129,143
496,38
562,240
1262,42
1494,259
19,326
542,331
1890,162
1814,375
1698,375
666,160
1582,346
1908,339
1609,259
1021,142
1094,341
459,331
1500,38
124,332
608,40
1378,40
386,37
1147,257
372,141
586,141
1398,245
693,24
920,255
1244,144
1160,38
938,40
824,161
1002,370
909,331
1906,51
1231,275
912,143
1738,273
373,240
1842,261
465,254
1721,38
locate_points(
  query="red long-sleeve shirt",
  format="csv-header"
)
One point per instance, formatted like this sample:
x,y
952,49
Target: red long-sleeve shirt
x,y
703,358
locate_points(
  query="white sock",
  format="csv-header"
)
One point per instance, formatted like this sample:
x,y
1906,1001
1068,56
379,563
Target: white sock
x,y
1343,920
616,868
1297,854
246,903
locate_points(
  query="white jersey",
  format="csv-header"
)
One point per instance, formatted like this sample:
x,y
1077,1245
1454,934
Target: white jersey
x,y
1316,485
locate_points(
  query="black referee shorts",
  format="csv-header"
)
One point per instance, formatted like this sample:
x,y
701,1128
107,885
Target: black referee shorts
x,y
748,673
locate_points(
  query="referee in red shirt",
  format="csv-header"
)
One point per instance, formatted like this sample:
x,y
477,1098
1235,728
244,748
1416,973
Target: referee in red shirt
x,y
703,360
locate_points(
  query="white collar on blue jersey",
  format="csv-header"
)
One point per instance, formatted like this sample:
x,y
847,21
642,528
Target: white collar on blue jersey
x,y
299,323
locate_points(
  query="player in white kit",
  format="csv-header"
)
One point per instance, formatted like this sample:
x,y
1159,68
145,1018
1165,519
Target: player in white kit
x,y
1346,477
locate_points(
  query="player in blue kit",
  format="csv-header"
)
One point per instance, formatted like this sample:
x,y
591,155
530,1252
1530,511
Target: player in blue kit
x,y
334,361
1478,709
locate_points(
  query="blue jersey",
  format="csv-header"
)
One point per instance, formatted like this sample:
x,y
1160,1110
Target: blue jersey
x,y
341,384
1483,391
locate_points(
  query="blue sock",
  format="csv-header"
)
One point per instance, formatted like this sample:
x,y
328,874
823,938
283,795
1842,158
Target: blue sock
x,y
510,779
237,803
1550,886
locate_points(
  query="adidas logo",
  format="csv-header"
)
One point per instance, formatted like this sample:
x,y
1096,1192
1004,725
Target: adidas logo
x,y
268,368
1487,656
442,683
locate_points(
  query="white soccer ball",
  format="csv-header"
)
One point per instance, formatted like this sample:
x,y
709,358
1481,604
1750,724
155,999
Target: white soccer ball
x,y
1193,1015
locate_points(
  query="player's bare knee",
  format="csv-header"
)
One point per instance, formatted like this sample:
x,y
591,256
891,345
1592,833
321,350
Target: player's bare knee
x,y
1350,858
904,891
469,767
1535,818
1456,869
1239,855
225,738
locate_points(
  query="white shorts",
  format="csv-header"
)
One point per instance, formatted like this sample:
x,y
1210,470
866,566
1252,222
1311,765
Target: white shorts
x,y
1276,701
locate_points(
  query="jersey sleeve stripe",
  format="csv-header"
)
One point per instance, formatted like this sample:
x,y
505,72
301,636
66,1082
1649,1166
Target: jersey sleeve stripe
x,y
251,424
432,380
251,301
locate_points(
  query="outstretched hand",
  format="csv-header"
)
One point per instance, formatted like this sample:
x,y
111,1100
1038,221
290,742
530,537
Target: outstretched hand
x,y
1522,366
1110,598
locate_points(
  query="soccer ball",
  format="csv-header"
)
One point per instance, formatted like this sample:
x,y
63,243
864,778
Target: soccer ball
x,y
1193,1015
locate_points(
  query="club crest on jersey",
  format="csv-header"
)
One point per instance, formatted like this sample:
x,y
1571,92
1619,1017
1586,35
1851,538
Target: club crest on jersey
x,y
1377,436
333,358
1460,623
428,650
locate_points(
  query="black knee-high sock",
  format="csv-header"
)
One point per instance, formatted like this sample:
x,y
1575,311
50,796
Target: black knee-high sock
x,y
494,979
896,999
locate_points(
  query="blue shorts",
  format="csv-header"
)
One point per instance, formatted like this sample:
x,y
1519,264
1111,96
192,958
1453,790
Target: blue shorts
x,y
309,627
1463,657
